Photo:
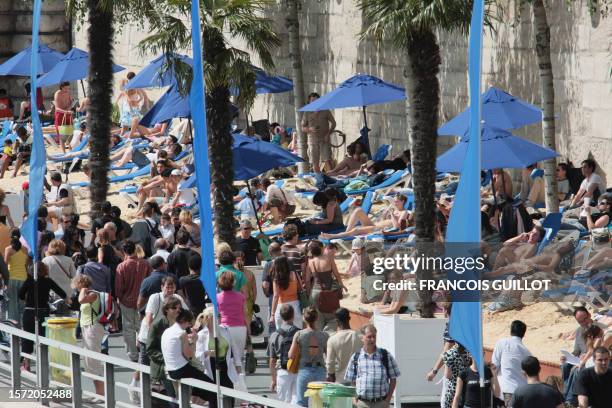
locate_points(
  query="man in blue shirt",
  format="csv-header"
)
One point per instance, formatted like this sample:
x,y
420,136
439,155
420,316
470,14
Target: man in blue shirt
x,y
374,372
152,283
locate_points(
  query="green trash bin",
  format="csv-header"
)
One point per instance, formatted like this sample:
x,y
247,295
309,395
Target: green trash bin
x,y
337,396
61,329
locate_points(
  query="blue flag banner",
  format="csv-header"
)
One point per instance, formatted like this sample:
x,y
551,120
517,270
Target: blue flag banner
x,y
29,228
464,224
200,152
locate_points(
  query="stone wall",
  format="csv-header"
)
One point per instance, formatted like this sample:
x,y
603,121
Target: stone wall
x,y
16,34
332,52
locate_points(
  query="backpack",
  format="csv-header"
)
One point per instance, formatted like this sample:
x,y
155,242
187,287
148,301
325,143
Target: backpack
x,y
108,308
385,360
286,339
153,230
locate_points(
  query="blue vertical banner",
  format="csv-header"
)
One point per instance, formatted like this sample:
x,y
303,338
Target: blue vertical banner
x,y
37,159
197,103
464,223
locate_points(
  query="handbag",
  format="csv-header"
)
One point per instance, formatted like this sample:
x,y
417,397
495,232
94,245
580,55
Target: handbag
x,y
287,208
66,129
293,364
303,296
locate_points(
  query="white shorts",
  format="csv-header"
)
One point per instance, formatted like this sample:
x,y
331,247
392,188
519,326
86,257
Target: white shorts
x,y
92,340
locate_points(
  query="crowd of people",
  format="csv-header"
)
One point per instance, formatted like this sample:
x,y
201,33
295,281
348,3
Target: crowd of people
x,y
151,267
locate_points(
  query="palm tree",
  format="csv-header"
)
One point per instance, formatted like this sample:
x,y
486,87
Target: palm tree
x,y
100,41
225,67
295,54
410,25
547,92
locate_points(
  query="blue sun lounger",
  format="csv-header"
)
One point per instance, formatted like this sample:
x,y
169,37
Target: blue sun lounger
x,y
396,178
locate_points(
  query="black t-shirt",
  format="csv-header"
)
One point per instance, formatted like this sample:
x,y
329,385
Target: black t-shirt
x,y
100,221
536,395
194,293
597,387
250,247
178,261
471,387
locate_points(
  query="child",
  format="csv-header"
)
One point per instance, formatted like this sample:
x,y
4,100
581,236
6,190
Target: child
x,y
331,249
360,262
7,156
166,228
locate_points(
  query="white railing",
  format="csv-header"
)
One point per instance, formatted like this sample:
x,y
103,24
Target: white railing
x,y
146,395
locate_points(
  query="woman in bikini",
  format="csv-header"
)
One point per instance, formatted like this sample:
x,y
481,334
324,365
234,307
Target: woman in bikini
x,y
360,224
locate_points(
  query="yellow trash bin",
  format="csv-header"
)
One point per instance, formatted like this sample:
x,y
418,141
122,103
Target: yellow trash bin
x,y
61,329
314,398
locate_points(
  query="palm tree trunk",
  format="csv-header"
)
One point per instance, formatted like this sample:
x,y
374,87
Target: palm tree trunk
x,y
218,120
295,54
423,91
100,41
547,92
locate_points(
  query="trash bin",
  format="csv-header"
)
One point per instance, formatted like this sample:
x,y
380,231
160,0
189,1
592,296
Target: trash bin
x,y
337,396
61,329
313,393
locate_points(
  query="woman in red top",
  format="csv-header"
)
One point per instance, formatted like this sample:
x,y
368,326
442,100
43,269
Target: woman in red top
x,y
6,106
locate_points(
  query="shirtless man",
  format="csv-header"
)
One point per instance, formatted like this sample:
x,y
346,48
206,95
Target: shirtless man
x,y
521,247
63,113
547,261
395,217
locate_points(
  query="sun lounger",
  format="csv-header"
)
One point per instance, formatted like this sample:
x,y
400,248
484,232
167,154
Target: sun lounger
x,y
141,172
383,188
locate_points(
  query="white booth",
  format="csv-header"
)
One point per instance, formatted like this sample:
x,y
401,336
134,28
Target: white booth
x,y
416,344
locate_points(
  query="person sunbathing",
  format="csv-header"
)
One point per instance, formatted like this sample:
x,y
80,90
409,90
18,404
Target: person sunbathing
x,y
153,186
601,260
553,259
521,247
352,162
360,224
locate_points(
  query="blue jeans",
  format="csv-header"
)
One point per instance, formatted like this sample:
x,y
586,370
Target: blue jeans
x,y
569,378
324,182
306,375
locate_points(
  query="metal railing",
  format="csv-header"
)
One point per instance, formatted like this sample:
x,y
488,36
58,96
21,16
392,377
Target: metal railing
x,y
110,364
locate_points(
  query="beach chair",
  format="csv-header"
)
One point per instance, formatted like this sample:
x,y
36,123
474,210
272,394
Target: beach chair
x,y
398,177
141,172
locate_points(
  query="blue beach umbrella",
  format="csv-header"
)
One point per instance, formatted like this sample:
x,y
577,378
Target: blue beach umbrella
x,y
73,67
499,109
171,105
19,65
358,91
151,76
267,84
500,149
252,157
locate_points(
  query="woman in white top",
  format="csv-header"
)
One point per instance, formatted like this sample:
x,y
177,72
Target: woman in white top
x,y
178,344
154,313
207,354
61,267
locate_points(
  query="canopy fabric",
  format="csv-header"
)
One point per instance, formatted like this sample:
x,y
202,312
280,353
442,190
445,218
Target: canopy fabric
x,y
267,84
359,90
500,149
20,64
171,105
252,157
73,67
499,109
151,76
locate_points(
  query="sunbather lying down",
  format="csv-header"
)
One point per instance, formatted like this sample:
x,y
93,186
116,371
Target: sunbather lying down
x,y
360,224
601,260
555,258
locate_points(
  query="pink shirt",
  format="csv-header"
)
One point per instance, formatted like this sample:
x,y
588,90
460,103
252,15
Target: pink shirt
x,y
231,307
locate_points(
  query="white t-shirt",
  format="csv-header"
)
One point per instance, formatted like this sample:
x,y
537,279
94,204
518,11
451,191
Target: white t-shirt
x,y
594,178
275,192
172,348
154,306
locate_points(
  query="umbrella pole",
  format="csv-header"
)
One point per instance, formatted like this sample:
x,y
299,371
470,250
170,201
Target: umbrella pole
x,y
495,200
365,123
254,208
36,323
83,88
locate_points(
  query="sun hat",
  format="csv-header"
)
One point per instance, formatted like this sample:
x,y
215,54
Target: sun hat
x,y
358,243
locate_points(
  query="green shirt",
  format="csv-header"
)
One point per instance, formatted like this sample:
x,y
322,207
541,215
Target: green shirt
x,y
239,278
90,312
223,347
